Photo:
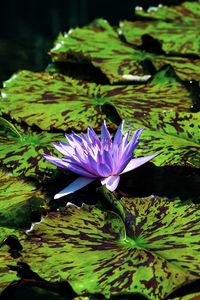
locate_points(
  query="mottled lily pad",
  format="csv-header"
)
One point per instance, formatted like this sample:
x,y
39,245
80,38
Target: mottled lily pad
x,y
99,44
176,28
92,251
7,276
19,200
175,134
55,101
192,296
83,103
23,154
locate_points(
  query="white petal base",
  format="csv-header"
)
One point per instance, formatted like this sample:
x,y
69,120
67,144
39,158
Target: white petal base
x,y
111,182
76,185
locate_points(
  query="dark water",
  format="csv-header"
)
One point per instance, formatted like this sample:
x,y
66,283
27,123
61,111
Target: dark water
x,y
28,28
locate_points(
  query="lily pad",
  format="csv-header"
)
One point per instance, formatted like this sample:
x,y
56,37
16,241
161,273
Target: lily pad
x,y
55,101
23,154
7,276
175,134
19,200
99,44
92,251
192,296
83,103
176,28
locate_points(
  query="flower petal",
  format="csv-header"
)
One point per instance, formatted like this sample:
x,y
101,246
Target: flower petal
x,y
119,134
127,154
64,149
106,140
63,163
76,185
136,162
111,182
93,137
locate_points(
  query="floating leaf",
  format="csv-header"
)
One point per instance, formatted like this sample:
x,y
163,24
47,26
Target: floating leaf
x,y
83,102
176,28
18,202
100,44
174,134
7,276
55,102
91,250
193,296
23,155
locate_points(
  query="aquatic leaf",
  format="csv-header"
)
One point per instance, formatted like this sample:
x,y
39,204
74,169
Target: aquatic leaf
x,y
91,250
175,134
19,200
7,276
23,155
176,28
192,296
99,44
55,101
83,103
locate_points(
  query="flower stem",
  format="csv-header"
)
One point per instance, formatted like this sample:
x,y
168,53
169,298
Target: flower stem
x,y
112,200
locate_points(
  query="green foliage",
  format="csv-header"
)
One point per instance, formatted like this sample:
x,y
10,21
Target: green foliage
x,y
18,202
7,276
176,28
193,296
76,103
23,154
99,44
157,251
56,102
175,134
146,247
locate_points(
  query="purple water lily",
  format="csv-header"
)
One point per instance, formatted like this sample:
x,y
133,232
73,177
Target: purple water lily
x,y
93,158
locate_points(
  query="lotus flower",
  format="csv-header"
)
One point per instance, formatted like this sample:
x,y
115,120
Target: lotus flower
x,y
93,158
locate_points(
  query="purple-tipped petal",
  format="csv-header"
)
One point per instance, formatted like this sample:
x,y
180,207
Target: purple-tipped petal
x,y
103,170
78,184
73,167
64,150
108,160
136,162
130,147
111,182
124,142
70,139
106,140
94,139
119,134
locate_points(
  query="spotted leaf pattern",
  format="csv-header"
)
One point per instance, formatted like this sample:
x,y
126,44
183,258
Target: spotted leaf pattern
x,y
156,253
174,134
23,155
19,200
99,44
83,102
176,28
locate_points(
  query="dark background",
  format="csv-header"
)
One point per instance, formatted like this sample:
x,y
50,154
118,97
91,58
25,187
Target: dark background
x,y
29,27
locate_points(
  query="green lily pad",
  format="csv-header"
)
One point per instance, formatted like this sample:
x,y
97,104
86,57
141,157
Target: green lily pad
x,y
175,134
176,28
23,154
7,276
19,200
55,101
87,100
99,44
92,251
192,296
